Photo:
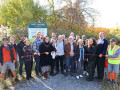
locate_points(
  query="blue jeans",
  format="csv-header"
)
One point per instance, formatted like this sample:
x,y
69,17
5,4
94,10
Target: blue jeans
x,y
21,61
113,68
70,61
37,65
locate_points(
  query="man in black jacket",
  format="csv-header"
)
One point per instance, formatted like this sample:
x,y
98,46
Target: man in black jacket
x,y
20,46
101,50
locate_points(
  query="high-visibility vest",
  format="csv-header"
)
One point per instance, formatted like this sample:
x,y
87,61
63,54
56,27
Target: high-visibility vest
x,y
112,52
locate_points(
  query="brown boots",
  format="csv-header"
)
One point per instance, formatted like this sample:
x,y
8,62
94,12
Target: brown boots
x,y
45,75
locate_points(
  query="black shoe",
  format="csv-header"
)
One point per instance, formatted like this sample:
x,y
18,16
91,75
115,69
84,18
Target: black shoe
x,y
28,78
62,72
66,74
37,75
57,73
100,80
31,77
16,80
89,79
52,74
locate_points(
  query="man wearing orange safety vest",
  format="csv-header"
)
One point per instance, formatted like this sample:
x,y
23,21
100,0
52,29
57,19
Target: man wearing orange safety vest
x,y
113,60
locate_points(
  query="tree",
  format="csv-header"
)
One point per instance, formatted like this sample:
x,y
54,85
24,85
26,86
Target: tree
x,y
16,14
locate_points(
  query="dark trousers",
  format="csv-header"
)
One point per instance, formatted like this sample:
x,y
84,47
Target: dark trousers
x,y
21,62
52,64
100,67
85,65
59,59
28,67
37,65
91,69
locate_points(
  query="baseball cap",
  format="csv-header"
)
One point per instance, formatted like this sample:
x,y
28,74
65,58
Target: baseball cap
x,y
113,40
4,39
22,35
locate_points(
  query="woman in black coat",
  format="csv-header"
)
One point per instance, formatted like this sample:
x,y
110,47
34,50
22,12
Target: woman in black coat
x,y
45,49
91,58
28,58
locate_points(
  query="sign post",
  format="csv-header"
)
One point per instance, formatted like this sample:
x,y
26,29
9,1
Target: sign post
x,y
36,27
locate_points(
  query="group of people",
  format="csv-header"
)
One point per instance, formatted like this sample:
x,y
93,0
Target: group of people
x,y
68,56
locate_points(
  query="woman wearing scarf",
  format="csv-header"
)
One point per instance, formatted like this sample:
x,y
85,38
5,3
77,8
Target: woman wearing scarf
x,y
80,50
45,49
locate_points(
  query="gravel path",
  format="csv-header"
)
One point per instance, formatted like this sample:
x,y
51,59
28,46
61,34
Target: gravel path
x,y
59,82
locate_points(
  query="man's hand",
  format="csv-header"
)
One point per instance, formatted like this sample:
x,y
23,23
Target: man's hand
x,y
14,62
22,56
71,54
0,65
75,61
38,54
52,52
100,55
106,56
35,53
87,59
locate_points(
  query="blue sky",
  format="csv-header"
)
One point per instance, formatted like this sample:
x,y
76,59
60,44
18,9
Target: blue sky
x,y
109,12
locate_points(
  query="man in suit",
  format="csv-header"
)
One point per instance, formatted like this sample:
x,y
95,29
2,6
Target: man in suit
x,y
101,50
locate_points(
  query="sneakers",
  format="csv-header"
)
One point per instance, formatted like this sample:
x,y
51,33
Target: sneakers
x,y
109,81
114,83
84,73
79,76
87,74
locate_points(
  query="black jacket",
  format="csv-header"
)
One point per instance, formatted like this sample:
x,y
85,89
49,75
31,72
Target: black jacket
x,y
45,59
77,52
92,50
28,52
15,46
102,47
20,46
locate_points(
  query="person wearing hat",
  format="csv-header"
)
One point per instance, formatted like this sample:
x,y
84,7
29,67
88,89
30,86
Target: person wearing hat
x,y
20,46
28,57
8,58
113,55
69,54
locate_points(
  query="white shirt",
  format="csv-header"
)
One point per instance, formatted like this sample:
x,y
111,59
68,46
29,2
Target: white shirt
x,y
60,48
100,41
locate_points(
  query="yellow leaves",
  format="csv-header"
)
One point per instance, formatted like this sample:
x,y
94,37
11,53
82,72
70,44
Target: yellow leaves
x,y
1,21
96,30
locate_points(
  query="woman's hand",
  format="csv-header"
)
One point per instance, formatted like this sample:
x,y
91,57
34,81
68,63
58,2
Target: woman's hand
x,y
14,62
52,52
46,53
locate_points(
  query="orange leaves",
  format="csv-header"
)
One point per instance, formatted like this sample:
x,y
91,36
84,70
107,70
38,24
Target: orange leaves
x,y
96,30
